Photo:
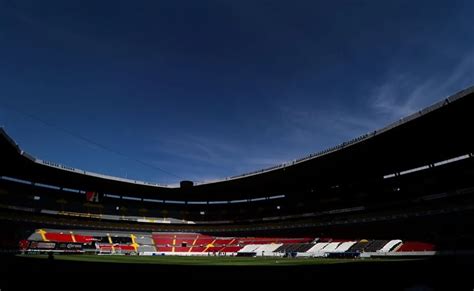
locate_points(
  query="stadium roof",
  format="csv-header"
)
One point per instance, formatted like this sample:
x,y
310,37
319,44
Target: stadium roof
x,y
409,143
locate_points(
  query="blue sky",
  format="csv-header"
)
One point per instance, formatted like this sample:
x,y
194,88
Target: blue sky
x,y
209,89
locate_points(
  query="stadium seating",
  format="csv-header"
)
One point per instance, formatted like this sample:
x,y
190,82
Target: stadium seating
x,y
344,246
163,239
164,249
197,249
146,248
249,249
59,237
390,245
375,245
416,247
331,247
294,248
83,238
261,249
358,247
316,250
267,250
198,244
231,249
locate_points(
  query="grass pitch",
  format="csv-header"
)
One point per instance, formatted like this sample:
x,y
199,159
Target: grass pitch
x,y
210,261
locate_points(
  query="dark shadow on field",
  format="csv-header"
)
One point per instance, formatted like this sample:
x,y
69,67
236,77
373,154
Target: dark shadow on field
x,y
439,273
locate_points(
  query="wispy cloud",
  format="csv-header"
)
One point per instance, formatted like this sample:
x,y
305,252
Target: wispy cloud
x,y
391,99
398,95
404,93
321,128
196,148
204,156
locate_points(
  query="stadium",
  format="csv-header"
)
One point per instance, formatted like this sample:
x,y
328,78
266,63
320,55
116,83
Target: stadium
x,y
398,198
143,142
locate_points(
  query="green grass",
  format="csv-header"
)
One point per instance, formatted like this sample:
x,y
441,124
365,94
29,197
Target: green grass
x,y
209,261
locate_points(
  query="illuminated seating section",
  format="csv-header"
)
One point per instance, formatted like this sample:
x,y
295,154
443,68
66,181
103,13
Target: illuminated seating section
x,y
391,245
416,247
200,244
344,246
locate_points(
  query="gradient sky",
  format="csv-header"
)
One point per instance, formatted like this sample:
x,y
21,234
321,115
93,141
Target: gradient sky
x,y
210,89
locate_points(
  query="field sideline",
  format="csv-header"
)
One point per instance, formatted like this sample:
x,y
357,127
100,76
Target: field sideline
x,y
210,261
